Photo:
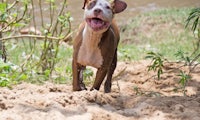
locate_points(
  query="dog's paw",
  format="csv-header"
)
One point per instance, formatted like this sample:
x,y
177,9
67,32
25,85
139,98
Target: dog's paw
x,y
107,90
79,88
93,89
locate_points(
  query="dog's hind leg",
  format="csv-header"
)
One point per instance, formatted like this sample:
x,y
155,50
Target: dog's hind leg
x,y
108,82
81,83
78,84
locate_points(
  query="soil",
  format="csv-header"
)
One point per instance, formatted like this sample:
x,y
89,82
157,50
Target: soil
x,y
136,95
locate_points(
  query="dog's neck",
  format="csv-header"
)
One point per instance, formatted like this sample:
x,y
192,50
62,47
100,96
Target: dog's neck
x,y
89,52
90,37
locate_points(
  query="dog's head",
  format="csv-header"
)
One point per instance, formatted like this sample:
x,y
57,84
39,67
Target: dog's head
x,y
99,13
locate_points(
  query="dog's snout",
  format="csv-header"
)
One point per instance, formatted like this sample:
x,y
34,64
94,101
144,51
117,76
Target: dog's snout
x,y
97,11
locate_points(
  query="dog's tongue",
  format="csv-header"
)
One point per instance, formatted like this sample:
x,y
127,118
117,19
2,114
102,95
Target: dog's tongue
x,y
97,23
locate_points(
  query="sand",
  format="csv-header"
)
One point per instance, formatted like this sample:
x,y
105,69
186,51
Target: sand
x,y
136,95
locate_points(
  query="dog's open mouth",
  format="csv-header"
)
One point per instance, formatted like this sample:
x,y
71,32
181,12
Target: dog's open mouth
x,y
97,23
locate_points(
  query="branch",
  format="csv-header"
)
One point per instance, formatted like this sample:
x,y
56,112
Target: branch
x,y
15,20
120,73
61,11
30,36
12,5
41,13
195,59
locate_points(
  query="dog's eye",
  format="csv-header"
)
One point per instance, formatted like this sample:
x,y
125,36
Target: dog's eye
x,y
91,5
108,7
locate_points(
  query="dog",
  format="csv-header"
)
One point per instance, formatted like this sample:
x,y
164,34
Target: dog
x,y
96,43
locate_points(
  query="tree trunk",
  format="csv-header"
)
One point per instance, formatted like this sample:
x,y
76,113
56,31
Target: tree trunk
x,y
2,48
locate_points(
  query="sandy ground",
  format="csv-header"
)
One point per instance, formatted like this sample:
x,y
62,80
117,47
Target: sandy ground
x,y
136,95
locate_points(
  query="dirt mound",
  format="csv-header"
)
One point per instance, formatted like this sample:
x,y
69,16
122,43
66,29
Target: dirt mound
x,y
136,95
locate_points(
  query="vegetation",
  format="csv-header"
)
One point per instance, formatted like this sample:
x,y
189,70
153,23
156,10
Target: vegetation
x,y
189,60
164,36
32,42
157,63
162,31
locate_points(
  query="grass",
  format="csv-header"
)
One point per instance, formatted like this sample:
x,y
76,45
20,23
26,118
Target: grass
x,y
18,51
162,31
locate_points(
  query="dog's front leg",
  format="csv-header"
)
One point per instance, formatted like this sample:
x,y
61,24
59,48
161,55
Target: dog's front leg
x,y
108,82
78,84
100,75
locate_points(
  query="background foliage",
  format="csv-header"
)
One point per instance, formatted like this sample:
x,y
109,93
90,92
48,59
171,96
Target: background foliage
x,y
30,36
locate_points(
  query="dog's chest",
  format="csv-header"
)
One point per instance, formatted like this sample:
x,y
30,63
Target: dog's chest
x,y
89,52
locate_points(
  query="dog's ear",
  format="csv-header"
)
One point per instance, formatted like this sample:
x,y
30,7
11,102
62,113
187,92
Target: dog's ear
x,y
84,4
119,6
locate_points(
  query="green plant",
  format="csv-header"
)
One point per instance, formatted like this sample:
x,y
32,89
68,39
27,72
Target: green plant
x,y
157,63
4,70
183,80
7,78
10,18
124,53
88,75
194,17
185,77
182,56
33,38
138,91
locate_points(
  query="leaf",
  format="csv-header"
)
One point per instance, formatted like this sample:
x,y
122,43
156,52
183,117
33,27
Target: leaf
x,y
148,57
50,1
2,7
157,63
199,33
87,73
23,77
47,72
4,82
61,18
19,24
194,14
3,17
188,59
4,67
184,78
195,24
25,2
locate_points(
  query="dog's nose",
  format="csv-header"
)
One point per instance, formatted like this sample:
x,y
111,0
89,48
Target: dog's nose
x,y
97,11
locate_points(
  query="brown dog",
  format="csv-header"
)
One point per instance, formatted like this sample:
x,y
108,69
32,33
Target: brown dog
x,y
96,43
